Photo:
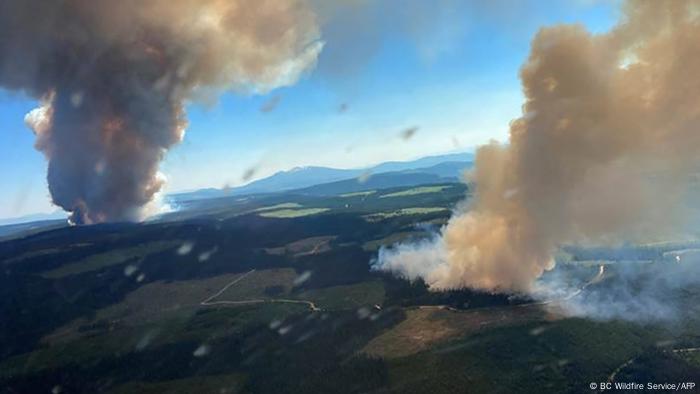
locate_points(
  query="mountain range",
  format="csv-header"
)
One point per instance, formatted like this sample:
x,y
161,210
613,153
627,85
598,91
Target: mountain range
x,y
314,180
326,180
35,217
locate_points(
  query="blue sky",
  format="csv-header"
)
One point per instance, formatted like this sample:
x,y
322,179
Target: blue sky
x,y
457,80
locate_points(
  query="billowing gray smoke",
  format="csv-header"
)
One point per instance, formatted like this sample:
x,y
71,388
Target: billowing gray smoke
x,y
114,76
603,152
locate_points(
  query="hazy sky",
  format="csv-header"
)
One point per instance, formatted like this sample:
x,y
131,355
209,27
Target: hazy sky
x,y
452,72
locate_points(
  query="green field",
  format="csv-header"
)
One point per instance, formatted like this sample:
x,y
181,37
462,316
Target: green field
x,y
292,213
404,212
284,205
365,294
358,194
375,244
416,190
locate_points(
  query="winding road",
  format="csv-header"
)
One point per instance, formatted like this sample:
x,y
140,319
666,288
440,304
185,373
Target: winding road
x,y
613,375
209,302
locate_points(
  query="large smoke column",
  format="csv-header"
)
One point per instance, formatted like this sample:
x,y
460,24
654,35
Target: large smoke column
x,y
114,77
603,152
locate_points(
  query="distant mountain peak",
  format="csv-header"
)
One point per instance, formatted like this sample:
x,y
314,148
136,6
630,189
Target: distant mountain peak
x,y
301,177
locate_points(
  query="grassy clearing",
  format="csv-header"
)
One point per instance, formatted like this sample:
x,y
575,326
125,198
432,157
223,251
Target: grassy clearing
x,y
358,194
417,190
425,327
374,245
375,217
311,245
347,296
102,260
263,284
285,205
559,357
292,213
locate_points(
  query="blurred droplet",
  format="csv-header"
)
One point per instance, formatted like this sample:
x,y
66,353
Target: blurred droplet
x,y
184,68
305,336
537,330
284,330
302,278
206,255
100,167
275,324
363,313
201,351
510,193
130,269
249,173
162,82
140,278
666,343
408,133
270,104
22,197
185,248
57,389
76,99
146,340
364,177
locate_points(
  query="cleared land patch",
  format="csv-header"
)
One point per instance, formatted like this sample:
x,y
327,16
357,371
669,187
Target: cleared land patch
x,y
347,296
417,190
284,205
375,217
306,246
292,213
275,289
374,245
263,284
427,326
358,194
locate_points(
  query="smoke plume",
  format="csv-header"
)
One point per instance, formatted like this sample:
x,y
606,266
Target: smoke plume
x,y
603,152
114,76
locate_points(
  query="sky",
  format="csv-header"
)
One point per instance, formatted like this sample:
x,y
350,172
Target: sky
x,y
451,71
